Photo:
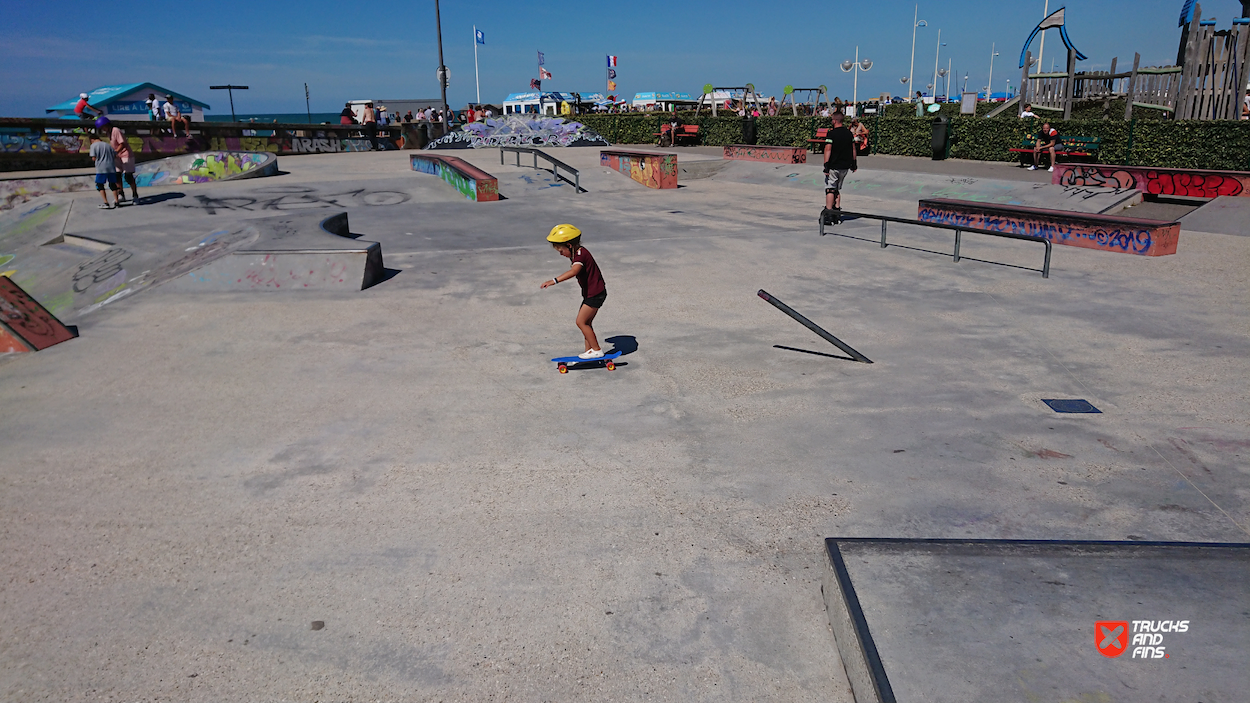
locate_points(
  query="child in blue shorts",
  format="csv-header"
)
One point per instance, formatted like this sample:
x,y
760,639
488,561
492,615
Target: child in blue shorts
x,y
105,171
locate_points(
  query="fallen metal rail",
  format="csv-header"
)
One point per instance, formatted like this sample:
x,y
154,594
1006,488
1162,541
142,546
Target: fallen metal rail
x,y
556,164
813,327
959,230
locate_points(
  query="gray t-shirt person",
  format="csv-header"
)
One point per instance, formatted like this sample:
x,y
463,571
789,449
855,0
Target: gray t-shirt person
x,y
105,157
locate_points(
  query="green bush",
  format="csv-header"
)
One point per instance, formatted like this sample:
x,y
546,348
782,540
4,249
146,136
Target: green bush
x,y
1220,144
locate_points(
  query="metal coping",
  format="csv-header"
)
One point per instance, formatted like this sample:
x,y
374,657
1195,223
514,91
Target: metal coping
x,y
1071,405
1045,212
874,685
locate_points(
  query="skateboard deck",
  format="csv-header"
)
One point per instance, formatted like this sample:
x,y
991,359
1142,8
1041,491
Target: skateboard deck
x,y
562,362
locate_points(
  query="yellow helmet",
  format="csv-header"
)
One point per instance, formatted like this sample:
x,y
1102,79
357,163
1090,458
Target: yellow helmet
x,y
563,233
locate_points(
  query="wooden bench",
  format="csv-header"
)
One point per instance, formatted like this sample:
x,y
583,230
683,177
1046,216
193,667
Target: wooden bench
x,y
688,132
818,142
1078,147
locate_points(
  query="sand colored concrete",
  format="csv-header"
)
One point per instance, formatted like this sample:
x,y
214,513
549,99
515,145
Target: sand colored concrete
x,y
196,480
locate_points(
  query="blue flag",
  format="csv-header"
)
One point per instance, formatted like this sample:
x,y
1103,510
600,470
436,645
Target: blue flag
x,y
540,58
481,37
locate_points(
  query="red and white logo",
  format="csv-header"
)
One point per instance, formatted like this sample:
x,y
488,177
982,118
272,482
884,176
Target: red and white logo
x,y
1111,637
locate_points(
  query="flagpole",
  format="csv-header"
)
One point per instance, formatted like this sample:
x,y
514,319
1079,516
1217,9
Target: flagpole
x,y
476,78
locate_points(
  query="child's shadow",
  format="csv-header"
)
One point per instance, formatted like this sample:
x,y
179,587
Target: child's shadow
x,y
625,344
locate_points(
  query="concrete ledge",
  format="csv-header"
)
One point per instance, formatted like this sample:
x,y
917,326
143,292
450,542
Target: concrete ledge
x,y
1092,231
1016,620
1183,182
293,253
772,154
652,169
24,324
472,182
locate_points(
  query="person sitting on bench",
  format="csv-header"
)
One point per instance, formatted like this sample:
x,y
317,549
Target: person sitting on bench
x,y
1047,138
674,124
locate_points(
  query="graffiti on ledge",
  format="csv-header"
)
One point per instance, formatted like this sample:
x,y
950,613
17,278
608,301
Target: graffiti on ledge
x,y
1061,229
651,170
1194,183
774,154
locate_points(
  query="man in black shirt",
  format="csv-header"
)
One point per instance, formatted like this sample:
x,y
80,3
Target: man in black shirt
x,y
839,159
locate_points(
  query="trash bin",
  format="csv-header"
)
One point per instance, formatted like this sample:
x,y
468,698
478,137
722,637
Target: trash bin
x,y
748,130
941,137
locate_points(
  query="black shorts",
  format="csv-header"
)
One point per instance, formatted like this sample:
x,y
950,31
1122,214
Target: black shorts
x,y
595,301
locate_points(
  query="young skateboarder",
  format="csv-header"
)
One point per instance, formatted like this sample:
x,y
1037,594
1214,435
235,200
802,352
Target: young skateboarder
x,y
105,171
839,159
567,240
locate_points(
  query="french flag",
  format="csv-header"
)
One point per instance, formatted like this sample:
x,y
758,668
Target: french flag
x,y
611,62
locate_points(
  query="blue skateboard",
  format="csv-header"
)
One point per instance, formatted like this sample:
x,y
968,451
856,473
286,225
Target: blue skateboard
x,y
564,361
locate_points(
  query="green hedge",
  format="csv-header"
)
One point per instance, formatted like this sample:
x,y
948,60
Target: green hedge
x,y
1221,144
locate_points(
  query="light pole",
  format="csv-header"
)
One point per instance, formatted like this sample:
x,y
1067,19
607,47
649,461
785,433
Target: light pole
x,y
989,87
942,73
915,23
307,107
1042,47
442,69
856,66
937,58
229,89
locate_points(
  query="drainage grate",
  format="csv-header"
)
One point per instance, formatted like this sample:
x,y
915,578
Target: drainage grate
x,y
1071,405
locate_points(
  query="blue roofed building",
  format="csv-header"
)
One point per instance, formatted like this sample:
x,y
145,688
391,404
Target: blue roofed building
x,y
126,102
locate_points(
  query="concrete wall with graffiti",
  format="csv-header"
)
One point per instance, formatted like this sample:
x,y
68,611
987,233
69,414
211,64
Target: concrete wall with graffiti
x,y
277,142
651,170
520,131
772,154
1189,183
201,167
1106,233
468,180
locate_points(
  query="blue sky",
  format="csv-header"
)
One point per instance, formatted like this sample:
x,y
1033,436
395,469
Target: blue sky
x,y
52,51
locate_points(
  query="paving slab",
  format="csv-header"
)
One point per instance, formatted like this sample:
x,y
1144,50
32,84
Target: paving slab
x,y
990,620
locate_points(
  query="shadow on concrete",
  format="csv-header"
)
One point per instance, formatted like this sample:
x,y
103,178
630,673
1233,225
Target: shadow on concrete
x,y
387,274
816,353
624,343
159,198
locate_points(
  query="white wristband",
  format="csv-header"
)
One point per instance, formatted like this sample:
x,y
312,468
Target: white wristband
x,y
555,280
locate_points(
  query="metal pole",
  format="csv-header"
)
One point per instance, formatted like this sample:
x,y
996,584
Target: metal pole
x,y
230,92
911,71
442,68
957,233
936,58
1042,47
307,107
883,234
855,89
814,327
989,87
476,78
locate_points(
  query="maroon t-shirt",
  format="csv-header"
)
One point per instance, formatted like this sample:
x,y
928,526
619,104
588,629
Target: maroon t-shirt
x,y
588,276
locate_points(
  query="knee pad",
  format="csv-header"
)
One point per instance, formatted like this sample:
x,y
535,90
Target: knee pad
x,y
99,186
831,191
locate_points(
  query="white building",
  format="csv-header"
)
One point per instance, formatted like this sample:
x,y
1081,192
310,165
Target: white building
x,y
664,101
529,103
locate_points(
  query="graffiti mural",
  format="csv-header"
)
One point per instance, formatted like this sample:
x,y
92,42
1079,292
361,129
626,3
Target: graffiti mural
x,y
651,170
22,316
1117,234
773,154
287,198
1189,183
204,167
470,181
516,130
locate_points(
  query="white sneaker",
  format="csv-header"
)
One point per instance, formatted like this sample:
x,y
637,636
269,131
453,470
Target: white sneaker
x,y
1033,167
104,206
592,354
1051,169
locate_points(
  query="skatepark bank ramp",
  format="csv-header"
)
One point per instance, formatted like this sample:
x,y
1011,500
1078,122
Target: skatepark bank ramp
x,y
201,167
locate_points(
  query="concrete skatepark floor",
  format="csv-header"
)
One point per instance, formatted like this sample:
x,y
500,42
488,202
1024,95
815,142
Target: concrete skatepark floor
x,y
198,478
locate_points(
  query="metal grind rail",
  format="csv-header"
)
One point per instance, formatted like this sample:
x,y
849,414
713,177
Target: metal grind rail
x,y
556,164
959,230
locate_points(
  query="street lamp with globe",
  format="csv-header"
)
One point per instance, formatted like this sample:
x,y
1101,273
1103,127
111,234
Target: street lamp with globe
x,y
857,65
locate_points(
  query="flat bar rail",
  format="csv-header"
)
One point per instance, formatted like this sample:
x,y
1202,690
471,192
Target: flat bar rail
x,y
556,164
1045,270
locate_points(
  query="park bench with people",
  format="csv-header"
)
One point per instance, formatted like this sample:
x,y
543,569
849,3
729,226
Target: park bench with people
x,y
1071,148
689,133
